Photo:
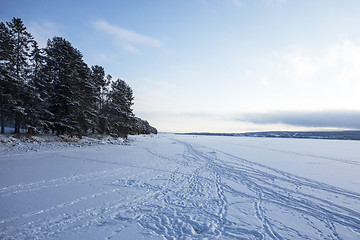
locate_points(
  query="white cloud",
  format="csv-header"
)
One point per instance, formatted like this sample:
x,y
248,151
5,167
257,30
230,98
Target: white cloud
x,y
339,63
297,78
346,57
102,57
130,48
237,3
127,38
299,66
43,31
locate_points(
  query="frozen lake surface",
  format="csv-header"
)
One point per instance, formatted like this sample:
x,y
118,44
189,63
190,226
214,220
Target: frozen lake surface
x,y
182,187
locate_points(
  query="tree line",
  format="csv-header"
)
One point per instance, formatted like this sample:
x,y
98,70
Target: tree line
x,y
54,90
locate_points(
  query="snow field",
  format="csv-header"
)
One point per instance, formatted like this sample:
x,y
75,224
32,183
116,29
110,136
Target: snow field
x,y
183,187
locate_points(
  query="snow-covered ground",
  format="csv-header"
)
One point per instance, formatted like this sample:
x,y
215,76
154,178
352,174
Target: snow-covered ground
x,y
181,187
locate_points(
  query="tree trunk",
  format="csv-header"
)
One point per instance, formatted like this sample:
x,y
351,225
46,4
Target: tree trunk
x,y
16,127
2,113
2,121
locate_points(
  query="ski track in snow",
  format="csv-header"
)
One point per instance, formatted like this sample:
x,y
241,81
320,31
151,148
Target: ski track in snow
x,y
203,194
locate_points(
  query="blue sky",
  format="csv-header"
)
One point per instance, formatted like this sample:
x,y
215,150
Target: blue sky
x,y
218,65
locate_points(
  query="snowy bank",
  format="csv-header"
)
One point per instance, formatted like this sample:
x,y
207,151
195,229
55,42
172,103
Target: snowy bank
x,y
47,142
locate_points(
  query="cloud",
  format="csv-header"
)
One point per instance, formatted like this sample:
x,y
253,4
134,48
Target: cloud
x,y
229,122
332,119
127,38
178,115
42,31
296,78
299,65
130,48
236,3
345,56
340,119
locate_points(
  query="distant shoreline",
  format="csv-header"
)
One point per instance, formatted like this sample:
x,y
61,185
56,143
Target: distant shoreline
x,y
334,135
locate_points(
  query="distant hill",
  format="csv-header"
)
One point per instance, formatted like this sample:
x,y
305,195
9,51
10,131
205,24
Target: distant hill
x,y
340,135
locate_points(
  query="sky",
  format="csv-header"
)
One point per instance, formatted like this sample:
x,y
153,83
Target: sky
x,y
217,65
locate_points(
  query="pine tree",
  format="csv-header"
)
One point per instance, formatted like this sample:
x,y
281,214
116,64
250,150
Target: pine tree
x,y
38,62
142,127
37,93
87,90
99,81
19,59
101,84
6,74
54,89
120,115
59,72
73,96
104,125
